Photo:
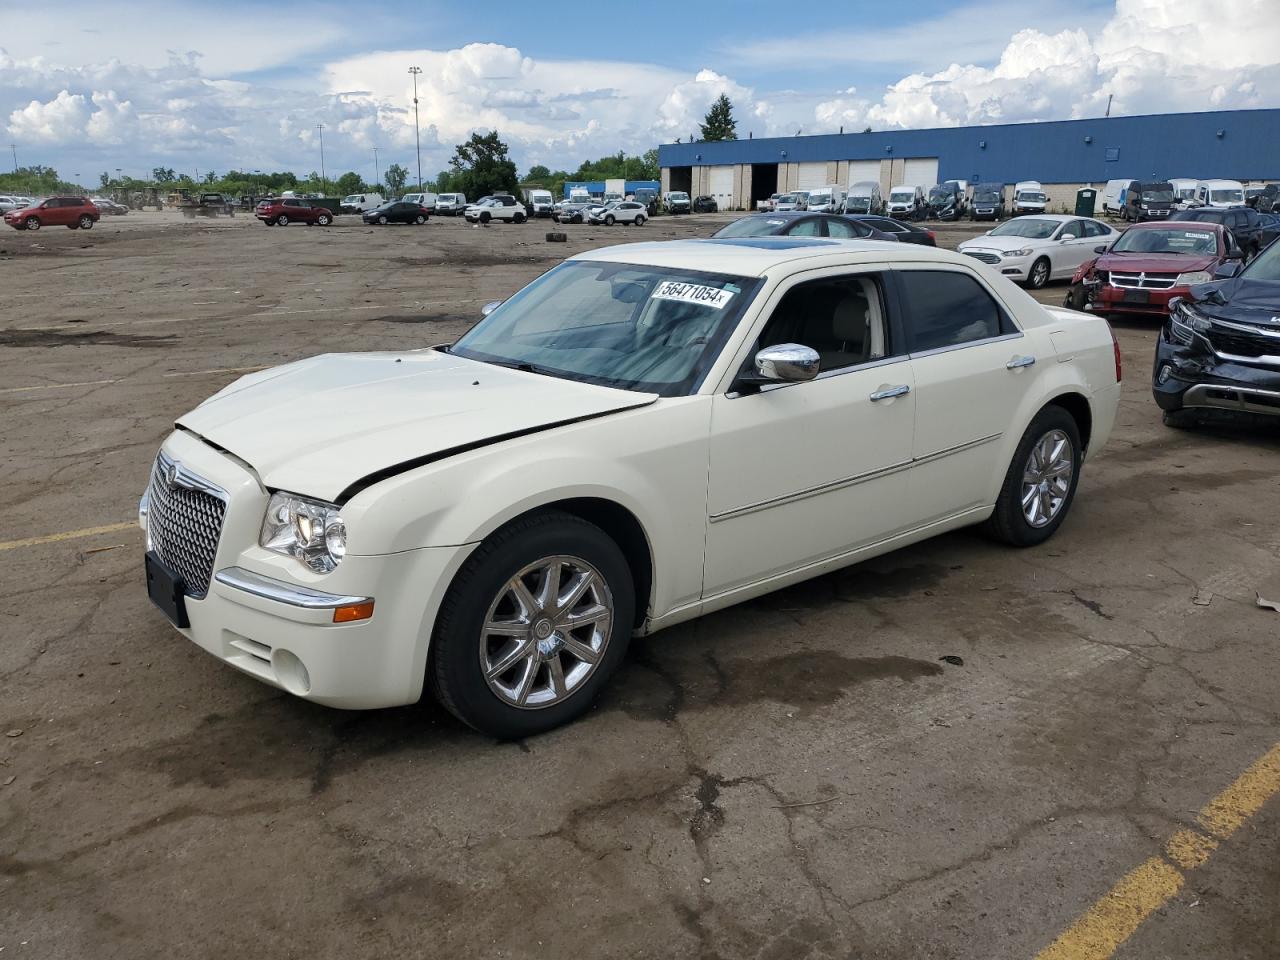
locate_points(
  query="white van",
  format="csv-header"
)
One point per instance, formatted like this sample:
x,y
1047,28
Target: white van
x,y
906,201
427,200
826,199
538,203
1113,195
1219,193
1029,197
1184,191
452,204
864,197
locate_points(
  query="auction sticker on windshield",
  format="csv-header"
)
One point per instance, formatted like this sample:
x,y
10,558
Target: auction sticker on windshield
x,y
693,293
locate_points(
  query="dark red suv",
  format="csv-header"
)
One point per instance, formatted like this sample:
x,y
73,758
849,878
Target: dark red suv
x,y
282,211
78,213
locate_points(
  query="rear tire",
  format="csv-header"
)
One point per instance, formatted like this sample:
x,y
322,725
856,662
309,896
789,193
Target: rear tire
x,y
1041,481
640,221
282,221
482,593
419,219
86,222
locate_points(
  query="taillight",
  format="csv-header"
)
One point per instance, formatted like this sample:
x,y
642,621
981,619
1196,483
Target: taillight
x,y
1115,348
932,235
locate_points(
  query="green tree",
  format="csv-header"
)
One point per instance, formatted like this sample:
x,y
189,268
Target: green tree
x,y
104,178
350,182
719,123
210,177
482,166
163,175
538,174
396,177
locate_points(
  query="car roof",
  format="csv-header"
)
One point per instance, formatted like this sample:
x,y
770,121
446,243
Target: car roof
x,y
1211,225
754,256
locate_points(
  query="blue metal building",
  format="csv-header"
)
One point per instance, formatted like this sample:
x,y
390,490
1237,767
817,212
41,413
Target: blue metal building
x,y
1234,144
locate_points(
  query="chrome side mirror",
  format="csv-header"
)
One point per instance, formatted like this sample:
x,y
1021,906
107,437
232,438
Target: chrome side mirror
x,y
1067,236
788,362
489,307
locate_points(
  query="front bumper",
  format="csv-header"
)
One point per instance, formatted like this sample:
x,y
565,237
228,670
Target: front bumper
x,y
1109,299
270,617
1194,377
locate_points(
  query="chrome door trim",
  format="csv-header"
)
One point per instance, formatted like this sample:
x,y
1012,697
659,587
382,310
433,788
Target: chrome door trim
x,y
239,578
966,344
901,390
1019,362
823,375
849,481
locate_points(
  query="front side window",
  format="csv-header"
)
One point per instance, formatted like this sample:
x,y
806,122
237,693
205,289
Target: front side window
x,y
652,329
842,318
945,309
847,230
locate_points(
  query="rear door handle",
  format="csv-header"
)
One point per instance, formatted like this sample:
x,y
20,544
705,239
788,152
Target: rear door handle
x,y
888,393
1018,362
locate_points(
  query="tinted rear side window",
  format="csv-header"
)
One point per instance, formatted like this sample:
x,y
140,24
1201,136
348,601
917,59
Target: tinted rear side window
x,y
946,309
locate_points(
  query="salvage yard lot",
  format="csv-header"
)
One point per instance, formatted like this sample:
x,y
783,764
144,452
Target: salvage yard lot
x,y
802,775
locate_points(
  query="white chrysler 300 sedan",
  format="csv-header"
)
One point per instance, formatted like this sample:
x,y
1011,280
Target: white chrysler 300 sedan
x,y
644,434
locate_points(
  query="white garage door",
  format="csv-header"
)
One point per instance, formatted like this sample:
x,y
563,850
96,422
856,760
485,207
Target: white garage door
x,y
811,175
722,186
920,171
861,170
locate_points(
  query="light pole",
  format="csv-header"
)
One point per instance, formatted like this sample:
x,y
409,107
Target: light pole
x,y
14,148
377,177
257,187
417,135
324,184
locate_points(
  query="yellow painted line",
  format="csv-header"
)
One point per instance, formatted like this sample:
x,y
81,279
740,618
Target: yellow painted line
x,y
1114,918
68,535
1101,929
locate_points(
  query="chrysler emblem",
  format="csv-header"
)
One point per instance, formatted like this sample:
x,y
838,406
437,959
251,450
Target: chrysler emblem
x,y
170,474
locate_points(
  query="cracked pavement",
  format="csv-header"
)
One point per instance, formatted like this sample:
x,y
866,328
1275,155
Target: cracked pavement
x,y
798,776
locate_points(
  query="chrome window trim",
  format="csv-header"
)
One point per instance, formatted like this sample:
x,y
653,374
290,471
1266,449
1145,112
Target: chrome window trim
x,y
1245,328
968,343
239,578
856,479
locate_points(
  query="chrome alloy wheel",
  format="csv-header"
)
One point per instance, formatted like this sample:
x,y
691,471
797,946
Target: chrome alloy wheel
x,y
1046,478
546,632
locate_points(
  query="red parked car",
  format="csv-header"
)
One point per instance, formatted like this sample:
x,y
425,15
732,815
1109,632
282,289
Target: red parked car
x,y
1151,263
78,213
282,211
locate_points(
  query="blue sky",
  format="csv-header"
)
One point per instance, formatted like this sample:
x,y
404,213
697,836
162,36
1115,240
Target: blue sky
x,y
86,86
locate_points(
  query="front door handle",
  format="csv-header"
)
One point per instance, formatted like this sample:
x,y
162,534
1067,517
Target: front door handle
x,y
1019,362
888,393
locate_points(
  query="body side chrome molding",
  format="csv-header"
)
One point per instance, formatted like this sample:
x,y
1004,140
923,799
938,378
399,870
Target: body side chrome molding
x,y
239,578
850,481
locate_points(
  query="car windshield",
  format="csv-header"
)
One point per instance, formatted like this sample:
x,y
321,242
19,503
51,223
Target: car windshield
x,y
786,198
1185,241
752,227
1265,266
901,195
651,329
1226,196
678,196
986,196
937,195
1031,197
1185,193
1029,227
1157,196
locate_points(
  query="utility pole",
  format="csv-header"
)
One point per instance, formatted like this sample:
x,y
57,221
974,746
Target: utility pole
x,y
14,148
377,176
1109,96
417,136
324,184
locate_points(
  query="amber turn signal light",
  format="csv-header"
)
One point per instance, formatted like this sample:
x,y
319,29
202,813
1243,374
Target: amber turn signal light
x,y
353,611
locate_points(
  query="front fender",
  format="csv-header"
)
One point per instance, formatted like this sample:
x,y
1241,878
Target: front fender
x,y
652,461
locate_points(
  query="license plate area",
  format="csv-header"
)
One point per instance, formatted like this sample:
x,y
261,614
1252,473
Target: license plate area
x,y
1137,296
166,589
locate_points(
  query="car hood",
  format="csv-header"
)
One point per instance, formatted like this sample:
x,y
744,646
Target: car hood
x,y
1240,300
322,426
986,242
1155,262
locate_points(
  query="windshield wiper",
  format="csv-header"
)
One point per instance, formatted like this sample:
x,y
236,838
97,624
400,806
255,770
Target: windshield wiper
x,y
524,367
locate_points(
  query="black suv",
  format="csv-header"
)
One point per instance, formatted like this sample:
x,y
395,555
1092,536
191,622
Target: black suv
x,y
1243,222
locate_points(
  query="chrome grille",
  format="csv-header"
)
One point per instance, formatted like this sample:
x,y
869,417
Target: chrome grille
x,y
982,255
1143,281
184,521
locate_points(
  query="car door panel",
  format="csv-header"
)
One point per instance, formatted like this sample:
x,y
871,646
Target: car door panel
x,y
964,394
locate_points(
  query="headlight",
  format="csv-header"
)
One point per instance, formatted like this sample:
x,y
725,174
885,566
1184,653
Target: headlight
x,y
1195,276
309,530
1184,322
1024,252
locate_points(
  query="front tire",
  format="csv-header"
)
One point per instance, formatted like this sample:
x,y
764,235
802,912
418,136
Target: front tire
x,y
609,221
533,626
1178,419
1040,484
31,223
1039,274
519,218
324,220
485,217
